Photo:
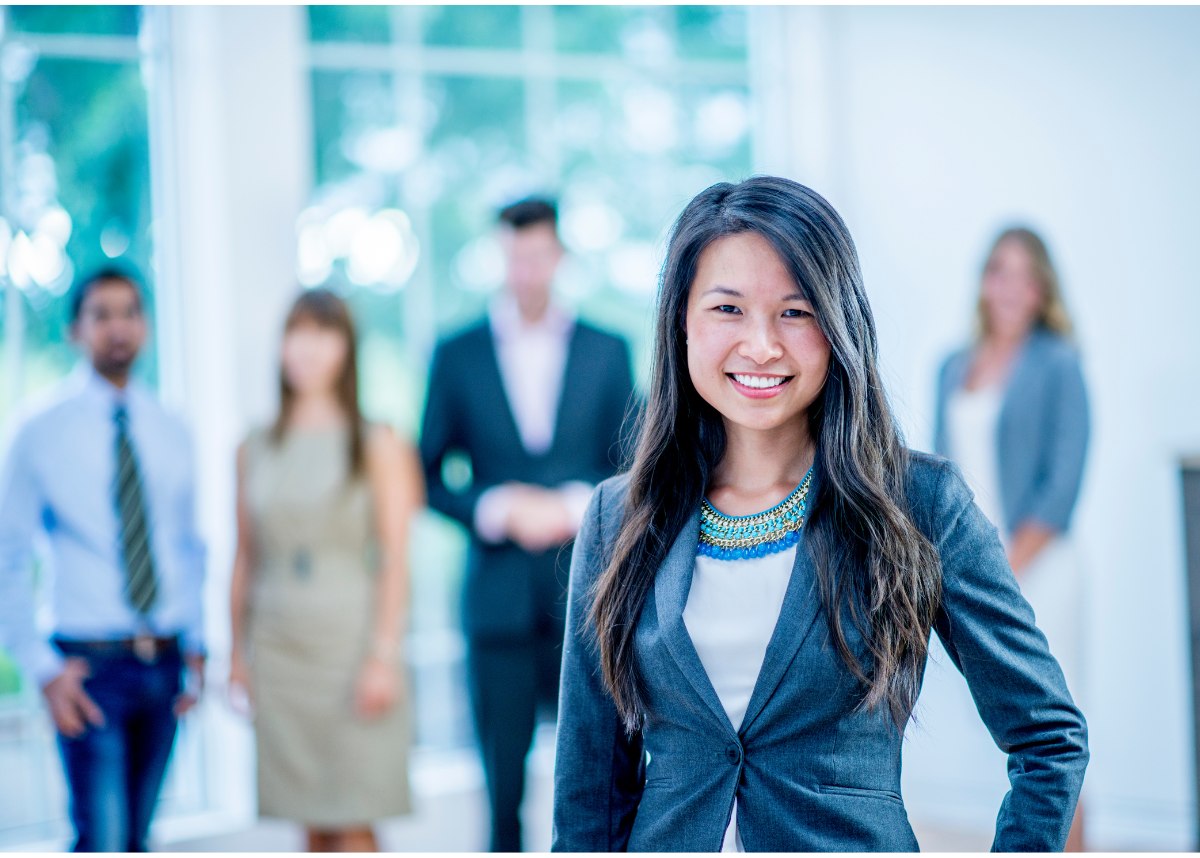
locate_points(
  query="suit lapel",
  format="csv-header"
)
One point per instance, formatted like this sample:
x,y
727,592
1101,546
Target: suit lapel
x,y
500,409
671,587
573,369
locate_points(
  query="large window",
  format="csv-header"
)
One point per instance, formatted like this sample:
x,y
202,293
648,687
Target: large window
x,y
75,175
427,118
74,194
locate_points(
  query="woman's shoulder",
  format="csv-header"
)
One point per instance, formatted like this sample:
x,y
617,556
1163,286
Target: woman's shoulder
x,y
377,434
937,492
608,502
958,354
258,437
385,445
1053,348
954,364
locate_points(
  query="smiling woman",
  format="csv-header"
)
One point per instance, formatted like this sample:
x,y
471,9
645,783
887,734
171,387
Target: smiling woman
x,y
750,607
751,334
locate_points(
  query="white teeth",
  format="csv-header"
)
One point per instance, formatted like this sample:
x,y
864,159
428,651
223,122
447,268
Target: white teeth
x,y
760,382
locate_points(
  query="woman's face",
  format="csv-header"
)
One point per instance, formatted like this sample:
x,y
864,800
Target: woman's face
x,y
1012,293
313,357
755,351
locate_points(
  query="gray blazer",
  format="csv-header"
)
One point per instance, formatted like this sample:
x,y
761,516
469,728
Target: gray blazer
x,y
810,772
1043,433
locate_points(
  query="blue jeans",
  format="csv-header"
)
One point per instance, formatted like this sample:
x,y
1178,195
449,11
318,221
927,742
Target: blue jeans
x,y
115,772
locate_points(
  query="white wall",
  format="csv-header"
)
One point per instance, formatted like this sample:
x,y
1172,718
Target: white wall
x,y
933,128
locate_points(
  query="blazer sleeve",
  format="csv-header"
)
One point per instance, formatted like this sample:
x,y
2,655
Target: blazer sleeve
x,y
598,770
1067,430
440,435
988,630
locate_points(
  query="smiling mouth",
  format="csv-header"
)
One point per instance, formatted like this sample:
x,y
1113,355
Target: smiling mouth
x,y
759,386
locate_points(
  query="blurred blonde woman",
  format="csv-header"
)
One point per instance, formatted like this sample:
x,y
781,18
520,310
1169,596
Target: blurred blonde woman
x,y
320,592
1012,412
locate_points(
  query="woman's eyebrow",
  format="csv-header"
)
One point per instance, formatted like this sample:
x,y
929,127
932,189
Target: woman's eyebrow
x,y
726,290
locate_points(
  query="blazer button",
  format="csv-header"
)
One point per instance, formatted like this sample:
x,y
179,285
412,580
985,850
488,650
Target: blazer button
x,y
734,753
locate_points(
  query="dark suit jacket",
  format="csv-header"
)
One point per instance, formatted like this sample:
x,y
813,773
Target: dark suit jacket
x,y
508,591
1042,437
810,772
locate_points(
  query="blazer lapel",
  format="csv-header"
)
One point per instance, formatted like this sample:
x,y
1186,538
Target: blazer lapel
x,y
801,606
573,369
671,587
1016,383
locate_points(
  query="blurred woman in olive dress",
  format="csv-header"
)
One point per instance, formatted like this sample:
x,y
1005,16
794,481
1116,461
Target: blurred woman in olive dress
x,y
320,591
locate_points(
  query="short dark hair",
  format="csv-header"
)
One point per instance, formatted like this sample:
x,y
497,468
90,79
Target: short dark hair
x,y
87,283
530,211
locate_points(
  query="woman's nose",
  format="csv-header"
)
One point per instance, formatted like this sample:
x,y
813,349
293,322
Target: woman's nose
x,y
761,344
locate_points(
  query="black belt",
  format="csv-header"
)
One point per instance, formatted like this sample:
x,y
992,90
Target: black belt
x,y
147,648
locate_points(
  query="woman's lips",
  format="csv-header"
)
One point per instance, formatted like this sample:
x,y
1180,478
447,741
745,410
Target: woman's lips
x,y
758,386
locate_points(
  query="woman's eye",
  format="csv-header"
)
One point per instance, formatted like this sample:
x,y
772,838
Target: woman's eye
x,y
796,314
727,308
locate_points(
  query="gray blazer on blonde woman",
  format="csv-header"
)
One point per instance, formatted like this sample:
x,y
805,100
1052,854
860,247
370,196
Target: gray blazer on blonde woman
x,y
809,770
1042,438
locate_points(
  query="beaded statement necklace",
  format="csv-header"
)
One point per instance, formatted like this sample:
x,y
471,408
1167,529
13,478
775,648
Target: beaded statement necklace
x,y
736,537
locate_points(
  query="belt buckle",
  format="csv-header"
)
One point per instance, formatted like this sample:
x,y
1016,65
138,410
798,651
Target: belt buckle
x,y
145,647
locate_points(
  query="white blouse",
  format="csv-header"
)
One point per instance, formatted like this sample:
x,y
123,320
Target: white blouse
x,y
731,613
973,418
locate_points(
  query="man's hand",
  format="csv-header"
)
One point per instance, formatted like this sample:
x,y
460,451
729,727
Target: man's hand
x,y
539,519
70,706
193,686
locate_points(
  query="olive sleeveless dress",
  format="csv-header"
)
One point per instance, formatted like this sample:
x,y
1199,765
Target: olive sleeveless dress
x,y
310,625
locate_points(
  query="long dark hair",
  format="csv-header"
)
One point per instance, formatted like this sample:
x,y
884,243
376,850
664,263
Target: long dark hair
x,y
327,310
874,566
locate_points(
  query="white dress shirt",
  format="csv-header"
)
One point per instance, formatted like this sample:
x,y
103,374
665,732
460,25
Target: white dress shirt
x,y
732,609
532,357
57,479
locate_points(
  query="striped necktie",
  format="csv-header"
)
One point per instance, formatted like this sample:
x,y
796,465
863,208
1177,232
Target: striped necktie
x,y
141,584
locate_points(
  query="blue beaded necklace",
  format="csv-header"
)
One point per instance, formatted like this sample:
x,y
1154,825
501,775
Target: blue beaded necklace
x,y
737,537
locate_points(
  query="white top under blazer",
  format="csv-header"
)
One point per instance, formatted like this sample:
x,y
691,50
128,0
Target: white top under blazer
x,y
731,613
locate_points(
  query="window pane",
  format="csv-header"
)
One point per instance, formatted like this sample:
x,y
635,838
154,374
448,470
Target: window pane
x,y
711,32
84,20
349,23
476,150
350,109
473,26
717,128
82,199
604,29
607,132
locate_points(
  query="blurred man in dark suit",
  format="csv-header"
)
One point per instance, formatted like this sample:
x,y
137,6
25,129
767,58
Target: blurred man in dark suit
x,y
536,400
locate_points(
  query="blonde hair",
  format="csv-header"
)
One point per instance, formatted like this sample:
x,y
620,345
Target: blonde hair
x,y
1052,315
